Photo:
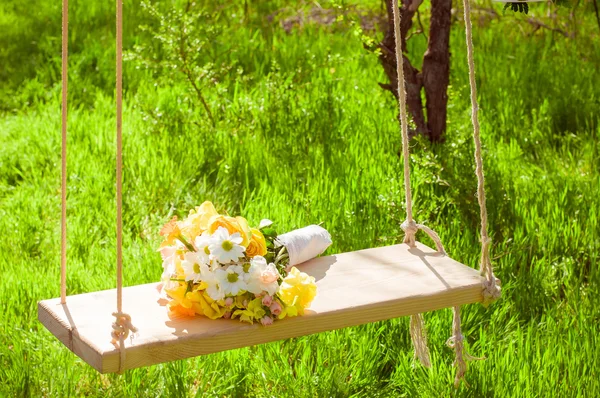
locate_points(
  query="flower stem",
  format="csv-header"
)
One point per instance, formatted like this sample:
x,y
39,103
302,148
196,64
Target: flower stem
x,y
186,243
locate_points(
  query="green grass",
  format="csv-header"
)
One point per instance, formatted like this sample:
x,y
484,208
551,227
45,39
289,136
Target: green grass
x,y
304,135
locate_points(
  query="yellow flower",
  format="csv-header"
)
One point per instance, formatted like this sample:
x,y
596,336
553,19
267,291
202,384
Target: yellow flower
x,y
238,301
197,301
179,302
233,225
257,245
254,311
289,311
297,290
198,220
204,305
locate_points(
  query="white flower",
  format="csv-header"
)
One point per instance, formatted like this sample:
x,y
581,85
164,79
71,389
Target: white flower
x,y
213,284
166,276
265,222
231,279
167,283
226,248
166,253
202,242
169,256
191,265
262,277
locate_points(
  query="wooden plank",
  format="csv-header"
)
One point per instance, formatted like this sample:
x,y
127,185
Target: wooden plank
x,y
353,288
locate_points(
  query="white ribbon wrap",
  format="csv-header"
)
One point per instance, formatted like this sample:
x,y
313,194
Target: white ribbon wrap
x,y
305,243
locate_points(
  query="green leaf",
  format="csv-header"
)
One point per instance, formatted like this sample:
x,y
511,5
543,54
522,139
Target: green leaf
x,y
269,232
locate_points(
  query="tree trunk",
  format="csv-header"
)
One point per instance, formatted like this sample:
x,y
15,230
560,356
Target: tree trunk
x,y
436,68
412,77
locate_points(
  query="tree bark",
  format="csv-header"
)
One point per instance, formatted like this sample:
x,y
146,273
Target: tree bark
x,y
412,77
436,68
435,76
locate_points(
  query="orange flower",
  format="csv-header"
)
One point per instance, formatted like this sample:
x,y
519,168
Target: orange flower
x,y
257,245
171,232
178,309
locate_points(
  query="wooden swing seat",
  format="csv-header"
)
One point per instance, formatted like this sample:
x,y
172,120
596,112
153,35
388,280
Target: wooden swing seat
x,y
353,288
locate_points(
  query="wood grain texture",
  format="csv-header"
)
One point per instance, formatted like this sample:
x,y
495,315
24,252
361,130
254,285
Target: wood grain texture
x,y
353,288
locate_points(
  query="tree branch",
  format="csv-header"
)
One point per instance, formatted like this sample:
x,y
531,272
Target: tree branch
x,y
537,24
186,70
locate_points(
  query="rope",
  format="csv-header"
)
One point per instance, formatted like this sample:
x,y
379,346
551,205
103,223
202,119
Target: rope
x,y
119,100
409,226
63,155
403,116
455,342
491,291
418,335
121,328
122,325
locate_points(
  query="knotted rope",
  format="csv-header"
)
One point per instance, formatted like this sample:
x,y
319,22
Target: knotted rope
x,y
455,342
410,230
417,325
121,328
409,226
122,324
491,291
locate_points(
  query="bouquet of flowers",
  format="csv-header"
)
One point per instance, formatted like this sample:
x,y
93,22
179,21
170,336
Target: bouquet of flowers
x,y
218,266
